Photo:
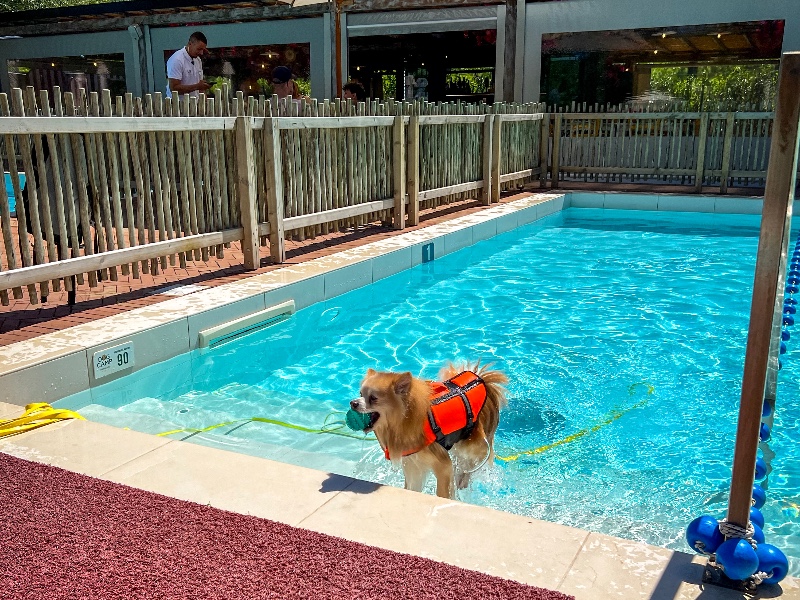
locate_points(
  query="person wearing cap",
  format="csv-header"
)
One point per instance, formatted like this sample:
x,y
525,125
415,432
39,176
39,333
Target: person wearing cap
x,y
354,91
283,84
185,68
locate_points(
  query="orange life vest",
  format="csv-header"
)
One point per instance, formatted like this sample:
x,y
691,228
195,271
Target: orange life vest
x,y
455,405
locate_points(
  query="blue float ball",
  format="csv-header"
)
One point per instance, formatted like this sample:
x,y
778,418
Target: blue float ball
x,y
793,281
756,517
759,496
788,320
790,301
763,433
761,468
791,289
785,335
738,558
783,347
789,309
794,273
758,534
773,562
703,534
766,409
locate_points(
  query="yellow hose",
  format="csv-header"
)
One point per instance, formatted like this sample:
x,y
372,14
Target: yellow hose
x,y
36,415
609,418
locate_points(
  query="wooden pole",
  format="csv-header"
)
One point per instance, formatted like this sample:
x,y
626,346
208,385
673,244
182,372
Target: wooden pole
x,y
413,169
556,160
337,43
497,128
246,188
772,243
701,153
272,157
726,153
486,192
399,162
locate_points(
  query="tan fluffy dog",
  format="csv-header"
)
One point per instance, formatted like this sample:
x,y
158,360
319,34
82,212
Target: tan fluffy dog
x,y
399,406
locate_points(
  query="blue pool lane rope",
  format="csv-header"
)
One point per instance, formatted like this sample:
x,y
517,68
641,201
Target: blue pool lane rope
x,y
742,553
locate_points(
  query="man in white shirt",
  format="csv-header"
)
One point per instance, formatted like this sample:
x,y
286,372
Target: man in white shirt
x,y
185,69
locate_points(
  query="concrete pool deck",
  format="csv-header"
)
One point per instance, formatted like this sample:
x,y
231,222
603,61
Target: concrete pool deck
x,y
586,565
590,566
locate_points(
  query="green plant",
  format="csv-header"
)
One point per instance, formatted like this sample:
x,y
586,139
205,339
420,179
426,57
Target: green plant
x,y
303,85
265,85
389,85
719,87
217,83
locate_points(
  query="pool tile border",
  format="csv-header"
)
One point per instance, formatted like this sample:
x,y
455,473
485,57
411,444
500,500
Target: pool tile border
x,y
29,369
46,359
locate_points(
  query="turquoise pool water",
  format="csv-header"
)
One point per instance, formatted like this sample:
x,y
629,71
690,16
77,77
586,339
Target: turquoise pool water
x,y
622,332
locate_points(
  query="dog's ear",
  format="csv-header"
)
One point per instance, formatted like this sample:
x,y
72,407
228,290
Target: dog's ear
x,y
370,372
402,384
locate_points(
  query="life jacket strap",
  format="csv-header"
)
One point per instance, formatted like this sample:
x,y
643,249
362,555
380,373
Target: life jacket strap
x,y
457,390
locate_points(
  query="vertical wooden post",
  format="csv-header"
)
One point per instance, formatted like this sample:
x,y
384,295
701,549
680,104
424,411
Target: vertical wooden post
x,y
701,153
399,162
497,126
486,192
726,154
274,176
556,160
413,169
544,147
772,242
246,189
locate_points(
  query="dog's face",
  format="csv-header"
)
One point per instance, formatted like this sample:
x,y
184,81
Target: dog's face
x,y
384,396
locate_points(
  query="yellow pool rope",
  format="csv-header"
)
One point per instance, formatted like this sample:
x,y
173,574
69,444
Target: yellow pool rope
x,y
36,415
606,420
333,427
328,426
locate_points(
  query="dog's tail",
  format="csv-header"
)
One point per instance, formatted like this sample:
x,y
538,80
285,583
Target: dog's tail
x,y
495,380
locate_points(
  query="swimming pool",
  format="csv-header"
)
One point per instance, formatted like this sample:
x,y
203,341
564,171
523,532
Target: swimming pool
x,y
623,333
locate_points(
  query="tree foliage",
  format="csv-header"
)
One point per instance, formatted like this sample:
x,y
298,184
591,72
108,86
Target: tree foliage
x,y
19,5
719,87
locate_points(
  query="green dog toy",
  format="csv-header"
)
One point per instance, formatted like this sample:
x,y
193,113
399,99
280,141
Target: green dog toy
x,y
357,421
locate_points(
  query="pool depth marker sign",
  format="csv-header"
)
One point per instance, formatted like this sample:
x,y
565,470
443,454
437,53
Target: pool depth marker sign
x,y
114,359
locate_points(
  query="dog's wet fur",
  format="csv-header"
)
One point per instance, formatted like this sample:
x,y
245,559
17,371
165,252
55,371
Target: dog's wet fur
x,y
398,406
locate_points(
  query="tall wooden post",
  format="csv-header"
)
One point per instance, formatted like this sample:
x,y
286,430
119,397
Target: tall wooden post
x,y
246,188
556,160
727,148
399,163
544,147
510,51
772,242
497,162
701,153
412,166
486,192
272,159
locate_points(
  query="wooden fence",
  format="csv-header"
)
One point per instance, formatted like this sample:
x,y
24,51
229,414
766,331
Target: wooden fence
x,y
114,186
697,149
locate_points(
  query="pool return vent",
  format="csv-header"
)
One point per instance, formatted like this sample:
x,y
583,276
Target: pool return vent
x,y
219,334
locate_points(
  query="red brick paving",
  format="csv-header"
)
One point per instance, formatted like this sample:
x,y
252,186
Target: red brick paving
x,y
21,320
